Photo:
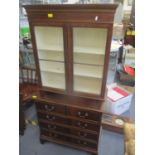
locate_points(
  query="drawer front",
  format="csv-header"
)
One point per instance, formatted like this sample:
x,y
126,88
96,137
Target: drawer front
x,y
52,118
95,116
71,17
53,135
83,143
85,125
82,134
53,127
51,107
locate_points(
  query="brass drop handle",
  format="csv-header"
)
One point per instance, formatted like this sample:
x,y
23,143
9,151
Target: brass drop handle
x,y
49,108
50,118
84,115
83,126
80,142
52,135
51,127
82,135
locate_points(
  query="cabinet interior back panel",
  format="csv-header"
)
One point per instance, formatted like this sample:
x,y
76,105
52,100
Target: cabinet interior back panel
x,y
87,85
89,40
93,59
49,38
88,70
54,80
51,66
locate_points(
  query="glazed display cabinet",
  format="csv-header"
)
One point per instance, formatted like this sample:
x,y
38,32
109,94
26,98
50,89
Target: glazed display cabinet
x,y
71,44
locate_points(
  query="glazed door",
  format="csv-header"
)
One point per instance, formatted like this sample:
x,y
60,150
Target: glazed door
x,y
89,46
50,50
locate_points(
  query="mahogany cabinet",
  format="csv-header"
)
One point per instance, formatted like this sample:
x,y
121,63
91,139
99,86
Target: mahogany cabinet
x,y
71,44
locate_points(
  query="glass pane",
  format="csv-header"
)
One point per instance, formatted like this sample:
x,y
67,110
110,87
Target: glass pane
x,y
50,47
87,84
89,50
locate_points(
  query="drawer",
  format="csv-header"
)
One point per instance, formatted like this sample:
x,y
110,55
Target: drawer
x,y
51,107
71,17
85,125
83,143
82,134
53,127
95,116
53,135
52,118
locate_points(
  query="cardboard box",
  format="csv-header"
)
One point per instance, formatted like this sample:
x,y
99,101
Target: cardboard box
x,y
118,100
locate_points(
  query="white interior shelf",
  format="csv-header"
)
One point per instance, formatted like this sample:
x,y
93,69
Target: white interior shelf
x,y
88,59
89,50
50,66
51,55
49,38
51,48
54,80
87,85
89,40
88,71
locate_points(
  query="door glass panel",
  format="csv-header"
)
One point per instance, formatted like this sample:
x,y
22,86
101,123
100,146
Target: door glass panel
x,y
89,45
50,48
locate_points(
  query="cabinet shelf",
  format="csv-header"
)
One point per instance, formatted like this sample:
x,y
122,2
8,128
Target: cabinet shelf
x,y
88,70
87,50
51,55
51,66
50,49
87,58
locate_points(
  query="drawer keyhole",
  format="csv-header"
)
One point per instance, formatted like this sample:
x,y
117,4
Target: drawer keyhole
x,y
96,18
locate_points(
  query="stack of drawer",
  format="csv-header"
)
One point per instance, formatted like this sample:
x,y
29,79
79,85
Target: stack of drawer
x,y
69,125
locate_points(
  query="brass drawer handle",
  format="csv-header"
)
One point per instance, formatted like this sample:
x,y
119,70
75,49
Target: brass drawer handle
x,y
81,142
82,135
53,135
82,125
82,116
50,118
51,127
51,108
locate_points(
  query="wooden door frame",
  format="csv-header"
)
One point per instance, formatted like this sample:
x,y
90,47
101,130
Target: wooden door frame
x,y
109,27
32,25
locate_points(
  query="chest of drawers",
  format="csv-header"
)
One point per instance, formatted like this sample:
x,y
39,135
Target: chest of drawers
x,y
65,121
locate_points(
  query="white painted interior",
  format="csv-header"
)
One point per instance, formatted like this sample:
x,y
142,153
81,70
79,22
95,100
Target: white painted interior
x,y
49,38
87,85
89,40
50,66
88,71
54,80
51,55
94,59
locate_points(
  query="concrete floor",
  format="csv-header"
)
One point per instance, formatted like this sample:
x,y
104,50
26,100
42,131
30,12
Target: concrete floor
x,y
111,143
